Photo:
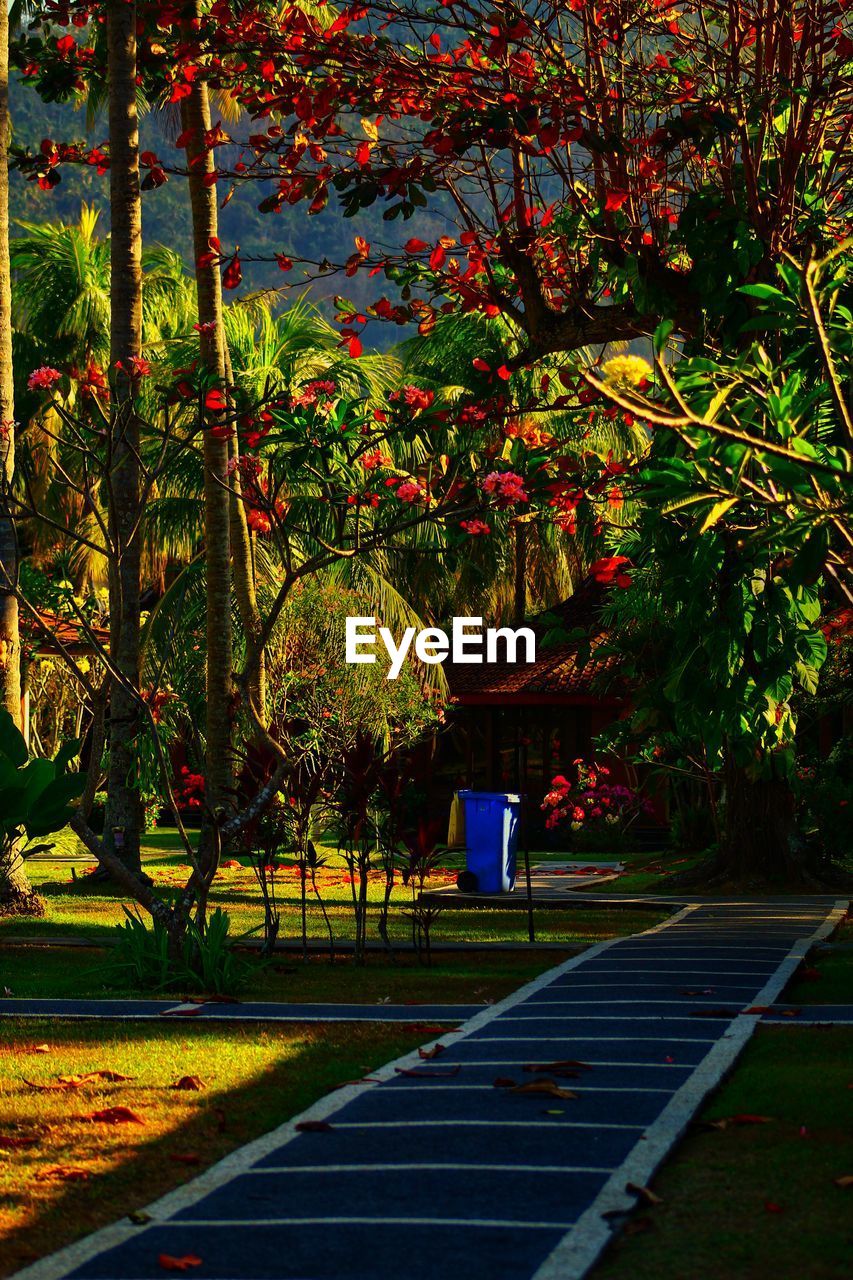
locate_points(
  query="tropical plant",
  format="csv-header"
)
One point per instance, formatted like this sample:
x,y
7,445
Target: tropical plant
x,y
35,801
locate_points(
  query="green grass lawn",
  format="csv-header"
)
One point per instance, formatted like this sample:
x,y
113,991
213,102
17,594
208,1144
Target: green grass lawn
x,y
453,978
77,906
71,1174
829,973
750,1201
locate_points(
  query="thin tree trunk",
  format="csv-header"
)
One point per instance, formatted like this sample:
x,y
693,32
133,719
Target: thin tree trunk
x,y
15,890
123,821
245,585
195,113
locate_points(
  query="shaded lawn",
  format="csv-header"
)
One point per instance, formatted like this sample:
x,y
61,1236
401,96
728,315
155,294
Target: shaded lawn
x,y
254,1078
454,978
757,1200
834,983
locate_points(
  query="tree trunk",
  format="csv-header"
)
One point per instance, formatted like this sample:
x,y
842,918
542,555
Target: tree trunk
x,y
760,843
16,893
245,585
123,820
195,114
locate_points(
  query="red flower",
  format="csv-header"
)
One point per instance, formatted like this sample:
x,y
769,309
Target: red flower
x,y
609,570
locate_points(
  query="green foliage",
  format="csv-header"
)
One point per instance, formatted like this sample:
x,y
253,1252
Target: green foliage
x,y
35,795
747,502
203,961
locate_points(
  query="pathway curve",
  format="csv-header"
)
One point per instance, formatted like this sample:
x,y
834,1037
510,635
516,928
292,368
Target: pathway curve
x,y
434,1173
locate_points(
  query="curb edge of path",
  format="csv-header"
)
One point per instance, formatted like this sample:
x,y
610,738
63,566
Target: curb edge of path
x,y
63,1261
584,1243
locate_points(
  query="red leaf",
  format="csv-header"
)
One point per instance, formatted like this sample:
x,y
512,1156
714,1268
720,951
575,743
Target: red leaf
x,y
168,1263
215,400
233,274
431,1053
115,1115
415,246
185,1157
771,1206
16,1143
615,200
188,1084
355,348
63,1173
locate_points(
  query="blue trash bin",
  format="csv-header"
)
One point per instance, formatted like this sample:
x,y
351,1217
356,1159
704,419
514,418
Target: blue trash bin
x,y
491,838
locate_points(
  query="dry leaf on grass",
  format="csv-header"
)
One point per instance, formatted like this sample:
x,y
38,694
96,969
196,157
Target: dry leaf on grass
x,y
548,1087
188,1084
41,1048
770,1206
63,1173
729,1122
643,1193
168,1263
846,1180
115,1115
185,1157
15,1143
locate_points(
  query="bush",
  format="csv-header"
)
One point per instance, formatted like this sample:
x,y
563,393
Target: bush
x,y
206,961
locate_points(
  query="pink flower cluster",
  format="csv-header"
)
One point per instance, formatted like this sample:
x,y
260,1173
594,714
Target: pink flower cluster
x,y
505,487
412,491
311,393
43,378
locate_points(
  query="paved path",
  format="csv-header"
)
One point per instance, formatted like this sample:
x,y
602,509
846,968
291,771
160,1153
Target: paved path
x,y
248,1011
434,1173
276,1011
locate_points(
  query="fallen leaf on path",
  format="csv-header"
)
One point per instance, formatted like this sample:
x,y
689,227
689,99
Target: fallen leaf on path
x,y
549,1087
427,1054
846,1180
139,1217
182,1013
361,1080
421,1074
566,1066
15,1143
168,1263
313,1126
643,1193
188,1084
63,1173
115,1115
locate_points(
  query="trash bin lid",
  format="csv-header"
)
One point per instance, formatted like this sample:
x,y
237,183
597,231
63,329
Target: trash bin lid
x,y
508,797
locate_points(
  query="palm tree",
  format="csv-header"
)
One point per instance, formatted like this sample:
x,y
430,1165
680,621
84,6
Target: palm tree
x,y
123,492
14,884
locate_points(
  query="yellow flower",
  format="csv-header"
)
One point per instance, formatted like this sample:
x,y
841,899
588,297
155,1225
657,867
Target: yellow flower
x,y
626,371
84,665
